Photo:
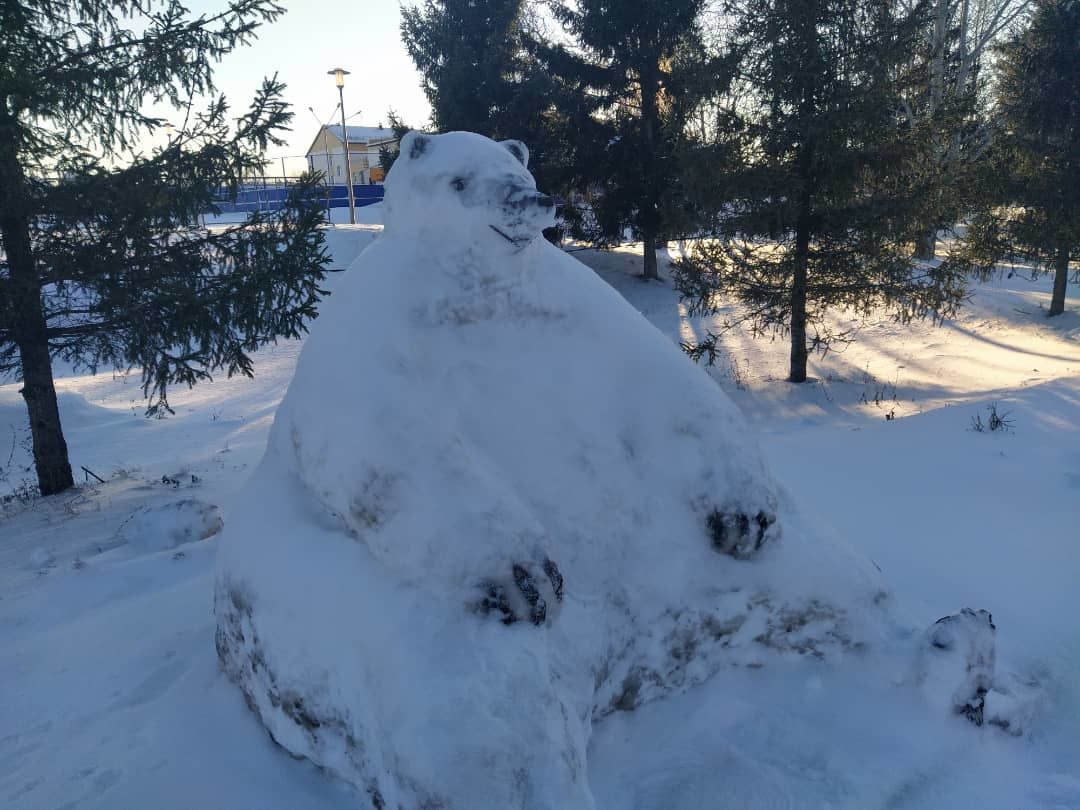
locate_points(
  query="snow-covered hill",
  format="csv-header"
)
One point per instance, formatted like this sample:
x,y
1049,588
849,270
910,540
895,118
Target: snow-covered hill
x,y
112,696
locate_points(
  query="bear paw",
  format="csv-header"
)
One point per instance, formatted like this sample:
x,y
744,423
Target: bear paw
x,y
737,533
527,593
959,655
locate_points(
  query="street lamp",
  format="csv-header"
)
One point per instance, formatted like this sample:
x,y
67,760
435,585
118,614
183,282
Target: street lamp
x,y
339,75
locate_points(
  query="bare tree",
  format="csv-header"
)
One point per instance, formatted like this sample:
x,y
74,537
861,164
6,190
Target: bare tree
x,y
958,44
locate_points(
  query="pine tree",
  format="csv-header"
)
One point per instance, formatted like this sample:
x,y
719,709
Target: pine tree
x,y
639,72
108,266
822,215
479,70
388,155
1035,171
470,56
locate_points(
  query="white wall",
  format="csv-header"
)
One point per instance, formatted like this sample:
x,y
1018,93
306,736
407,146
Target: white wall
x,y
328,157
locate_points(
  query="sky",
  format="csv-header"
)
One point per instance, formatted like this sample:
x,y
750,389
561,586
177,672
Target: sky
x,y
312,37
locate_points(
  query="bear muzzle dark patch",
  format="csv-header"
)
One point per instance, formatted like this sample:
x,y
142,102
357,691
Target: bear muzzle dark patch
x,y
522,206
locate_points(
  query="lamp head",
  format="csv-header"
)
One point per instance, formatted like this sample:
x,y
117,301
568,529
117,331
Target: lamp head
x,y
339,75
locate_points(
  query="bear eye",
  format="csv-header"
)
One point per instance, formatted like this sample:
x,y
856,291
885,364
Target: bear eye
x,y
458,184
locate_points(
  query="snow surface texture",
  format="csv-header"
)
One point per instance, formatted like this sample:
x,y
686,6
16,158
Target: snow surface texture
x,y
498,505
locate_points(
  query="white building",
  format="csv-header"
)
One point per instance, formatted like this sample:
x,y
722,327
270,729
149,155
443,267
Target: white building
x,y
327,153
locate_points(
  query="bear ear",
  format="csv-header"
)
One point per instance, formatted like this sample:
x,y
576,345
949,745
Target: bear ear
x,y
518,150
414,144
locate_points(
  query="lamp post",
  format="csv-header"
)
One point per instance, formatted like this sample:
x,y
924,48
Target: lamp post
x,y
339,75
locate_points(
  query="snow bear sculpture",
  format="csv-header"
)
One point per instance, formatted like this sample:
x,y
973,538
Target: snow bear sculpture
x,y
498,505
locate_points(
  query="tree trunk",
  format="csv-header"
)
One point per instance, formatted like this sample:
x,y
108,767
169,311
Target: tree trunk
x,y
798,304
925,244
650,125
29,330
1061,279
649,244
50,449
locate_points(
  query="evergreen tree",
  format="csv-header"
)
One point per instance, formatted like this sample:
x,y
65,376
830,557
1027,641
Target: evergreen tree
x,y
468,53
1035,172
822,214
479,69
639,72
388,155
108,266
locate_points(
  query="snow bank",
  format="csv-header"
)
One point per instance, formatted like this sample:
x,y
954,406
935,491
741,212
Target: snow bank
x,y
497,505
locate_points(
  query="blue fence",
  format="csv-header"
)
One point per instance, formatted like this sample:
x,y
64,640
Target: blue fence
x,y
270,196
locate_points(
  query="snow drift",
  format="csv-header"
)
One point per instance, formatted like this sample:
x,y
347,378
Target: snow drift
x,y
496,506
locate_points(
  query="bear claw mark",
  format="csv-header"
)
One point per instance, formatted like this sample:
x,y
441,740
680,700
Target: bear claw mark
x,y
537,604
497,598
554,575
737,534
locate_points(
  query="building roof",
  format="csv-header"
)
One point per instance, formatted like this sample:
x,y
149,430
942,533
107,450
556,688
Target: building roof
x,y
357,135
361,134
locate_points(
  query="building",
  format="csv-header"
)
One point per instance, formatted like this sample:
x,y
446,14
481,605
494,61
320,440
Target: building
x,y
327,153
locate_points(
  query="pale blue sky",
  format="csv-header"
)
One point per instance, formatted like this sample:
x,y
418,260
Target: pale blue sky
x,y
312,37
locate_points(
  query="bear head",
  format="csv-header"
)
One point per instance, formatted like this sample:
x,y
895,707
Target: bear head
x,y
462,189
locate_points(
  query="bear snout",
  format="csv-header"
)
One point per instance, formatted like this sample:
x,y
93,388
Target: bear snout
x,y
528,198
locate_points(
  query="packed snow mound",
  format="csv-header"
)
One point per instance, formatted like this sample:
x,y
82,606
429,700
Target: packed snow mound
x,y
498,505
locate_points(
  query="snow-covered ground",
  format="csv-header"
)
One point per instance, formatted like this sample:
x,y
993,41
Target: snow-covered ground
x,y
112,696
